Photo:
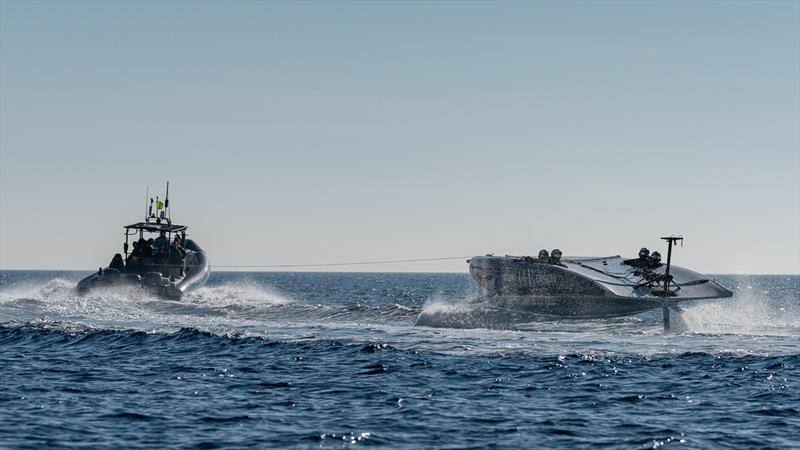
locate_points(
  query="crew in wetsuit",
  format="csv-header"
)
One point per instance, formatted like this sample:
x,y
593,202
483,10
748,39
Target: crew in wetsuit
x,y
555,258
135,251
117,263
161,243
175,258
642,261
134,258
646,260
141,248
145,247
655,259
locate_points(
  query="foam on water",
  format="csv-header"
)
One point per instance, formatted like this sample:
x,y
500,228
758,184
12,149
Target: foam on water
x,y
209,307
239,293
255,306
35,290
755,309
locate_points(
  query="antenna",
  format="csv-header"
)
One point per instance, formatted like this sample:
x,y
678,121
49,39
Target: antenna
x,y
166,205
670,241
147,195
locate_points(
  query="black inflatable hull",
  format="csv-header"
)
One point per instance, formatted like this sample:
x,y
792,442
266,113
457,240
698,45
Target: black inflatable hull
x,y
196,274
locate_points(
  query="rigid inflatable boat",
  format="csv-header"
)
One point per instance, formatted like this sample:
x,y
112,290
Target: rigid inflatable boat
x,y
168,266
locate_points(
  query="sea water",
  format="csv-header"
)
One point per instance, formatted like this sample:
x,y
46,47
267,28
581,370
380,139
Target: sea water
x,y
331,360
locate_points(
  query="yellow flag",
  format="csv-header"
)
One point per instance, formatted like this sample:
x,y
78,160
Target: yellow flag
x,y
159,205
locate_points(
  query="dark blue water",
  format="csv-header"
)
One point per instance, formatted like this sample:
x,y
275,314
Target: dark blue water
x,y
334,360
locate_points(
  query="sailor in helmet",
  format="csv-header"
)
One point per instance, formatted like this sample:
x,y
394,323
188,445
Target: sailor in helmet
x,y
642,261
655,259
543,255
555,258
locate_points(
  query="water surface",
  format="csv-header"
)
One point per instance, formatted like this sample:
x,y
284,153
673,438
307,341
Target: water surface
x,y
331,360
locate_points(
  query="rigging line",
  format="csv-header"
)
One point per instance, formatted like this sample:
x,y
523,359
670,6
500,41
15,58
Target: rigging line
x,y
358,263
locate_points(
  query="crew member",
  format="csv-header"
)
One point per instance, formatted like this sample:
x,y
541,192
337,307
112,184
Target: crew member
x,y
146,247
161,243
642,261
175,258
543,255
555,258
140,248
655,259
117,263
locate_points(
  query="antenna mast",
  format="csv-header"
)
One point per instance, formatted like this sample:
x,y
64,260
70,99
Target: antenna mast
x,y
166,205
667,277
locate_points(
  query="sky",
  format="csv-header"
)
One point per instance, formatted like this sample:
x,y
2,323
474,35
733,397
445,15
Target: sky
x,y
317,132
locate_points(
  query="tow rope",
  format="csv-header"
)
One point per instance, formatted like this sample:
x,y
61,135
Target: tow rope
x,y
355,263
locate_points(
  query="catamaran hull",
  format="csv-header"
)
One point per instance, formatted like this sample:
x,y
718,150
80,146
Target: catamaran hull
x,y
197,271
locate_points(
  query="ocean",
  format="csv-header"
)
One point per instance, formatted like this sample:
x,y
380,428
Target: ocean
x,y
332,360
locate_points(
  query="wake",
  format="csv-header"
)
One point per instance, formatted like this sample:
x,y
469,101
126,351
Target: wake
x,y
58,299
746,313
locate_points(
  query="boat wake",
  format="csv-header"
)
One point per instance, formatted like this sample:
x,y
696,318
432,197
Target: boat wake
x,y
58,299
745,314
238,294
230,305
754,321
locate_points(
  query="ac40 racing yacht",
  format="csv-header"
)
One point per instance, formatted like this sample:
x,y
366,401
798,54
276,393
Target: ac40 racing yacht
x,y
590,287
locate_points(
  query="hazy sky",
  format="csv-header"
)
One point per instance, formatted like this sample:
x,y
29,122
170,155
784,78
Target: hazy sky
x,y
324,132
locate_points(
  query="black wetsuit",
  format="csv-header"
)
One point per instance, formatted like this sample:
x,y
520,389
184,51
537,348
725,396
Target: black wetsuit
x,y
643,263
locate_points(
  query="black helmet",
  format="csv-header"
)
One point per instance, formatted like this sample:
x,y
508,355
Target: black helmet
x,y
556,253
543,254
644,252
655,256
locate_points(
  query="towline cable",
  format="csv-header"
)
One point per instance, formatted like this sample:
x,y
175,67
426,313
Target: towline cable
x,y
356,263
